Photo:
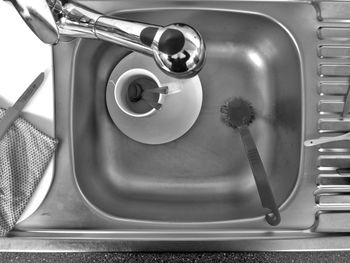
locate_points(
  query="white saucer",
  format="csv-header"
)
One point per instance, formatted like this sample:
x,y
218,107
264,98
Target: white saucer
x,y
177,115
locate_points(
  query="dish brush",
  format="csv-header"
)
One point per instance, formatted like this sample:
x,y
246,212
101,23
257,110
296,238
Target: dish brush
x,y
238,114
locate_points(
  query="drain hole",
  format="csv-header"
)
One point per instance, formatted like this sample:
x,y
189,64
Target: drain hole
x,y
139,101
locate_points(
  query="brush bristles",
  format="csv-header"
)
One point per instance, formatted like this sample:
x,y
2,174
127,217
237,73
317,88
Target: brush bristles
x,y
237,112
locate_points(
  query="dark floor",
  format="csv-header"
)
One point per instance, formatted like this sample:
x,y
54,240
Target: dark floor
x,y
328,257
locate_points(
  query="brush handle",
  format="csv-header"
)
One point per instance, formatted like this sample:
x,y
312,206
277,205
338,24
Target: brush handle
x,y
260,176
314,142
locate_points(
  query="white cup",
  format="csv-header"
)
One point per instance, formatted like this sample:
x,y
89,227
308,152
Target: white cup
x,y
124,81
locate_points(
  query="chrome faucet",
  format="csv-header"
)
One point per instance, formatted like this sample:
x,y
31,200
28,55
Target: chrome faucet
x,y
178,49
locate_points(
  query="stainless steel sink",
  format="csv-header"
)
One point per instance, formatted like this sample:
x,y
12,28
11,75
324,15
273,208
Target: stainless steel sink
x,y
197,192
204,175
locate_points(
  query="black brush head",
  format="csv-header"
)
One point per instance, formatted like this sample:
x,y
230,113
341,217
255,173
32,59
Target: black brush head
x,y
237,112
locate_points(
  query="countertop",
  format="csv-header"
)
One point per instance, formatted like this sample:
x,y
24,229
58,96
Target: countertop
x,y
23,57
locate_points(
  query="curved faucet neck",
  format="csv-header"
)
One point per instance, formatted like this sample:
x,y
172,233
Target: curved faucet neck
x,y
178,49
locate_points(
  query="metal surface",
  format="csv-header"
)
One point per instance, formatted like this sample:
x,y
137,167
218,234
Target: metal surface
x,y
13,112
178,49
346,104
101,199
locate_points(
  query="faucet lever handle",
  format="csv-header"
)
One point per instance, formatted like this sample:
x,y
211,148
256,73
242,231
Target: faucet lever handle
x,y
38,16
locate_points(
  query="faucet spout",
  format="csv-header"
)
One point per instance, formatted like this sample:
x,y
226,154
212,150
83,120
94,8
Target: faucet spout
x,y
177,49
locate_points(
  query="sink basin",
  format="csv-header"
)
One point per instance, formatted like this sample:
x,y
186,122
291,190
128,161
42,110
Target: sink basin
x,y
203,176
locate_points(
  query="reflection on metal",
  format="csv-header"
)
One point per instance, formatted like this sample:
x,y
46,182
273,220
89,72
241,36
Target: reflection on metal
x,y
256,59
